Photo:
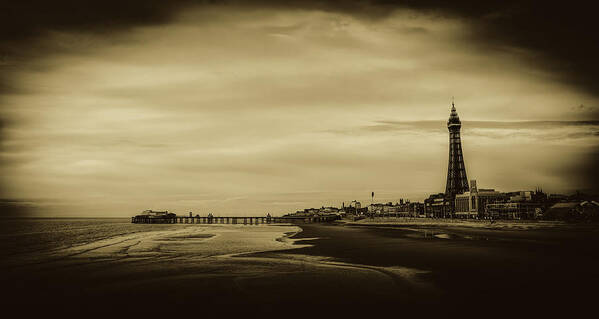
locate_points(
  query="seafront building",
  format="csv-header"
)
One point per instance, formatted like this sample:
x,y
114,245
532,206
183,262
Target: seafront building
x,y
437,206
403,208
574,210
155,214
518,205
477,203
514,210
472,204
400,209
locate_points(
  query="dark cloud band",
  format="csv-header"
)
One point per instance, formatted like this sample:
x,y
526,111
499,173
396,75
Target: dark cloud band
x,y
561,37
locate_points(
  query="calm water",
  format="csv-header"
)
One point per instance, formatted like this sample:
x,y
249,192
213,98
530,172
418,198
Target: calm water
x,y
25,242
26,236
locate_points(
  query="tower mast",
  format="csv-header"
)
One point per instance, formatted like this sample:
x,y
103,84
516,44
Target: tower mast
x,y
457,181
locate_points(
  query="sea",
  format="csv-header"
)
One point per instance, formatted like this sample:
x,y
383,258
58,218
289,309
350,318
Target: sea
x,y
20,236
46,239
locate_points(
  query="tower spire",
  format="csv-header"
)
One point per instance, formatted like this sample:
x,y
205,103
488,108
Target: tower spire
x,y
457,182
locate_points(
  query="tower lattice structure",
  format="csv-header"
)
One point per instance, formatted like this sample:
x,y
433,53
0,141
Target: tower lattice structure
x,y
457,181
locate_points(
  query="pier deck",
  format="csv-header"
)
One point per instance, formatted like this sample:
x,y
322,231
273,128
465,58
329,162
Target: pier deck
x,y
231,220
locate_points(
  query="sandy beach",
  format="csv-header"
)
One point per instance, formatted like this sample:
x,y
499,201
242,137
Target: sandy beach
x,y
325,269
226,268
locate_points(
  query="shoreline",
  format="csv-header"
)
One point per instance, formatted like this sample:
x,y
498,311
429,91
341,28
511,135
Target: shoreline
x,y
467,223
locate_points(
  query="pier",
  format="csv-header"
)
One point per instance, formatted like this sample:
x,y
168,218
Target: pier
x,y
259,220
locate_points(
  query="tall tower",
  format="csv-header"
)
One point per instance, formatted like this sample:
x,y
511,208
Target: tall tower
x,y
457,182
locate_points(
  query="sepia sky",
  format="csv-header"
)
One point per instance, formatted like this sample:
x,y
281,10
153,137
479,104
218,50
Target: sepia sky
x,y
247,109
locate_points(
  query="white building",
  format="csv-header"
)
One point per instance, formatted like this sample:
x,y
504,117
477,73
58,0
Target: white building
x,y
472,204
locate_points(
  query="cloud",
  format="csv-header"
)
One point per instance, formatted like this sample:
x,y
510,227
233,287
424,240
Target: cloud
x,y
539,131
211,112
555,36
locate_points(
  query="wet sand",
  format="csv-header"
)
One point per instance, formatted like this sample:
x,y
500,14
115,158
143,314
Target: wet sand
x,y
476,270
326,269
